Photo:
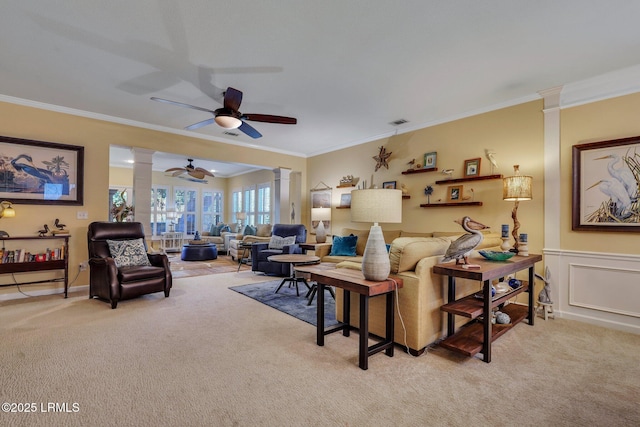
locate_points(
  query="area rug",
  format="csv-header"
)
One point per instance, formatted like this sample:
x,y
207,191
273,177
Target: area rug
x,y
223,264
288,302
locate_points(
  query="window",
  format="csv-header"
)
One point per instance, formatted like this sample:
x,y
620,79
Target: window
x,y
212,209
159,202
185,200
236,205
249,203
264,204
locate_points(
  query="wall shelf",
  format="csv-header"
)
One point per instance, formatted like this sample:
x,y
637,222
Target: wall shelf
x,y
423,170
475,178
345,185
439,205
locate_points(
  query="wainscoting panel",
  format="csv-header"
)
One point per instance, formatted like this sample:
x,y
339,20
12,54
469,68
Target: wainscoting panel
x,y
597,288
603,288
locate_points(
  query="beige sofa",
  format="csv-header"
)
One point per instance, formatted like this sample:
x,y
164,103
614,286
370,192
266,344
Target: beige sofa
x,y
423,292
263,234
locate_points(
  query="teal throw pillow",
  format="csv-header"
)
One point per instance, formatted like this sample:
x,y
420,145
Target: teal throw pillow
x,y
212,230
225,228
249,230
344,246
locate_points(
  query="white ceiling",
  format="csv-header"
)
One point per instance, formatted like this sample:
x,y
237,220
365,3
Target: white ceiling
x,y
344,69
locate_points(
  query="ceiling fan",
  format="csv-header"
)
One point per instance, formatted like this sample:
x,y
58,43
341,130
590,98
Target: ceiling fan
x,y
229,117
190,173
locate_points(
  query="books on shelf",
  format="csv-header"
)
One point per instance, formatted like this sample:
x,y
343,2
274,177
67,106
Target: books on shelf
x,y
22,255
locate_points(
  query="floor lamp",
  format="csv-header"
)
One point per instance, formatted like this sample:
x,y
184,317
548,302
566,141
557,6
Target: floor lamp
x,y
514,189
376,205
321,215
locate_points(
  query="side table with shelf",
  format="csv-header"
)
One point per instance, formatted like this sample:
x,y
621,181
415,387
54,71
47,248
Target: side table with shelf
x,y
37,266
476,337
172,241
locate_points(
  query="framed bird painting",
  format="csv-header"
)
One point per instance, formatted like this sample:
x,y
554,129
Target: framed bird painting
x,y
37,172
606,178
472,168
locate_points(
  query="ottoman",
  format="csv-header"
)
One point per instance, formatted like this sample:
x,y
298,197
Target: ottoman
x,y
199,252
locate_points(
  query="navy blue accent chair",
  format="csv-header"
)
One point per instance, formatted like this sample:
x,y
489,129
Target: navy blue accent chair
x,y
260,251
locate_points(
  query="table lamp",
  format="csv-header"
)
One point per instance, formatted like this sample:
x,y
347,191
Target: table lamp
x,y
516,188
321,215
240,216
171,216
376,205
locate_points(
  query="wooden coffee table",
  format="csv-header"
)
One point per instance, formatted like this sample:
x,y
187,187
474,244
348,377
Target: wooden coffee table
x,y
294,260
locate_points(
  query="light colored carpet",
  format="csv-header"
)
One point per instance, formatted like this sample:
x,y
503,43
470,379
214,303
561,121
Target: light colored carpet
x,y
223,264
208,356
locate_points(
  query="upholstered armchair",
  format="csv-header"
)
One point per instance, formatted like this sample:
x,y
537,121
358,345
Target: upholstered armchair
x,y
120,267
260,251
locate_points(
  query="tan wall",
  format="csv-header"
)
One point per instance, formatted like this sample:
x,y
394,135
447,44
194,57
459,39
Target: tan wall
x,y
600,121
96,136
516,135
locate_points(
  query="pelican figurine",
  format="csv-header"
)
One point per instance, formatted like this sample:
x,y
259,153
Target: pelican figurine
x,y
59,225
44,231
460,248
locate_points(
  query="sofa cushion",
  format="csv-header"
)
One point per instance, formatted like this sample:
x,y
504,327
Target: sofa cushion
x,y
277,242
344,246
263,230
249,230
128,253
406,252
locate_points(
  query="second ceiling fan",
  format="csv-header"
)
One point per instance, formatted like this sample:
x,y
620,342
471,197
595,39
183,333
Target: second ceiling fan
x,y
229,117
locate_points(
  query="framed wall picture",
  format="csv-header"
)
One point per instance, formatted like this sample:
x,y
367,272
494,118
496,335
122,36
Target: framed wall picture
x,y
37,172
472,167
389,184
345,200
430,160
606,176
454,193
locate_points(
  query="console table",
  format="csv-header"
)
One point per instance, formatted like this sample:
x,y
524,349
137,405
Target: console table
x,y
172,241
353,281
477,337
43,261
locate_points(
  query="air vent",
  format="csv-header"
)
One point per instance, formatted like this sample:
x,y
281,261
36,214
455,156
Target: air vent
x,y
226,132
398,122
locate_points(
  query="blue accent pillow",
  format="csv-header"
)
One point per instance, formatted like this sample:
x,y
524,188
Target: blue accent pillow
x,y
344,246
249,230
225,228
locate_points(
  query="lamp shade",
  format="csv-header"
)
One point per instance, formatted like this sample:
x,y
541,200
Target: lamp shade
x,y
6,210
320,214
517,187
241,216
376,205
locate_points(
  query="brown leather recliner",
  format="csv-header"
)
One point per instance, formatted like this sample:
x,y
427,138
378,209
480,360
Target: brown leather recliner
x,y
113,284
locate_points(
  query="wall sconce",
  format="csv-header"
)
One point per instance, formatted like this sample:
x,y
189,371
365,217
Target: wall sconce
x,y
516,188
6,211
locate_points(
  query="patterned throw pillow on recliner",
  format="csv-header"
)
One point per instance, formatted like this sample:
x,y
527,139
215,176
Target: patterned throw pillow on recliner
x,y
278,242
128,253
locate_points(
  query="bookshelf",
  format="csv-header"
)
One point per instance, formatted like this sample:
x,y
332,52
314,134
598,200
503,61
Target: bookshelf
x,y
40,262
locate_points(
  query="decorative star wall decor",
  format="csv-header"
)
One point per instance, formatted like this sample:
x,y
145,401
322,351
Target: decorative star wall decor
x,y
382,159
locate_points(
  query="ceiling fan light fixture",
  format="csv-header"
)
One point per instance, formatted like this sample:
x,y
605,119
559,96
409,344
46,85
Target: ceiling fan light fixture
x,y
228,122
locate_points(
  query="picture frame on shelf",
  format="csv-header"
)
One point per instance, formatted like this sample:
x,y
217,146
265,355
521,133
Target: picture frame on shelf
x,y
430,160
38,172
454,193
605,187
389,184
472,167
345,200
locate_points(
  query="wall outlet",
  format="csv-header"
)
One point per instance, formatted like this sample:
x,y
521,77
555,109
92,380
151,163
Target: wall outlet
x,y
82,215
84,265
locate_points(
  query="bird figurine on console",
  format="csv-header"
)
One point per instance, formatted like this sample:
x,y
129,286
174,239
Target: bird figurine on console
x,y
59,225
44,231
463,245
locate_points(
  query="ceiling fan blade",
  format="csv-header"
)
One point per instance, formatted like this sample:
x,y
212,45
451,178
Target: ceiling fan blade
x,y
174,169
268,118
204,171
178,173
232,99
181,104
197,174
200,124
249,130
